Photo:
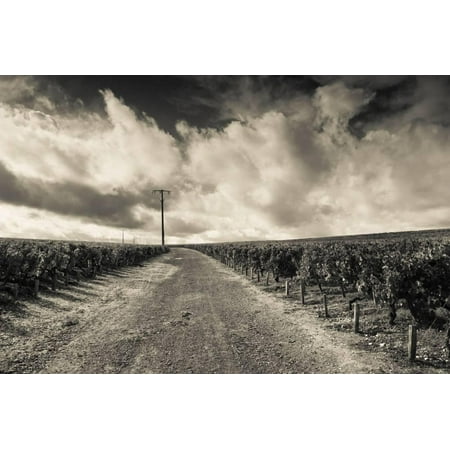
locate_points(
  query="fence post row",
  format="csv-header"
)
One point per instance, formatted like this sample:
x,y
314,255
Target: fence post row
x,y
242,268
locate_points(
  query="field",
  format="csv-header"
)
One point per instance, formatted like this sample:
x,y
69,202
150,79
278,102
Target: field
x,y
395,280
252,307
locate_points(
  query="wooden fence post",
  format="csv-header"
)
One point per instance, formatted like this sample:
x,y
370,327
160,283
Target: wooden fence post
x,y
251,273
267,278
325,305
412,342
287,288
54,281
302,291
374,298
246,271
258,274
36,287
356,317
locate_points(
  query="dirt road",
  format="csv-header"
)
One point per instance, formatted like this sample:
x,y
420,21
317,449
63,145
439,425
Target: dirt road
x,y
182,312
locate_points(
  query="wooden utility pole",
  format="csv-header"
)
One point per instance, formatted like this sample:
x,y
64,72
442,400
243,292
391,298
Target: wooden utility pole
x,y
161,196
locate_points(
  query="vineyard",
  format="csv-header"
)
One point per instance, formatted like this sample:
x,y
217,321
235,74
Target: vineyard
x,y
379,289
390,275
27,265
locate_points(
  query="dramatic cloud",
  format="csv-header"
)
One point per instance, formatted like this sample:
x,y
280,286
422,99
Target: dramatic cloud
x,y
280,159
72,199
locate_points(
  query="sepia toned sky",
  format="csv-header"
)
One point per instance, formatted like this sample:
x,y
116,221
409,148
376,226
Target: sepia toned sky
x,y
244,157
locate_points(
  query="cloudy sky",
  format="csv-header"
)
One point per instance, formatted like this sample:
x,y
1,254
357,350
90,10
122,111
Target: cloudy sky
x,y
245,157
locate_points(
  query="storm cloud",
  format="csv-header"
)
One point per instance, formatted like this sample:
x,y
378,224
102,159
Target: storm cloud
x,y
258,158
72,199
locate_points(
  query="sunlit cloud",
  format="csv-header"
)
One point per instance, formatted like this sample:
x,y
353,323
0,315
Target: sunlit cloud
x,y
276,168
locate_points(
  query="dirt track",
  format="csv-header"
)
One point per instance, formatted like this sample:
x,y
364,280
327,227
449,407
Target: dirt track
x,y
181,312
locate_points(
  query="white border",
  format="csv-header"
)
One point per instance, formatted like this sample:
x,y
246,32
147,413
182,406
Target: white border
x,y
233,37
222,411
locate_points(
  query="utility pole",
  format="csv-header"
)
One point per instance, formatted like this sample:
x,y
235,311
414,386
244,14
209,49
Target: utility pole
x,y
161,197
